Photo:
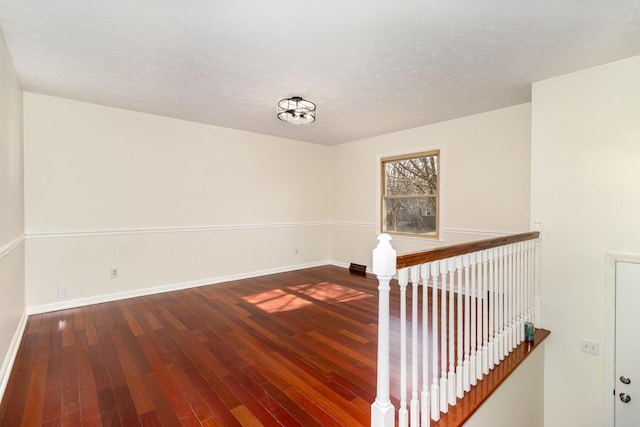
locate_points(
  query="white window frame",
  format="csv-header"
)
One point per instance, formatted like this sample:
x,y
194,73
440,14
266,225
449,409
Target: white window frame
x,y
416,152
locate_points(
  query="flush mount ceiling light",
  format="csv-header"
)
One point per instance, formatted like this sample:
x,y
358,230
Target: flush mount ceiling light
x,y
296,110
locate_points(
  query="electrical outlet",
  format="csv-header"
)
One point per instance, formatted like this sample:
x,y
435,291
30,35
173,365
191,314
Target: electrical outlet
x,y
62,293
591,347
114,273
296,251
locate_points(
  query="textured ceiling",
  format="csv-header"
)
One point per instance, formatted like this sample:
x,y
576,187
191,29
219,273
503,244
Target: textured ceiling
x,y
371,66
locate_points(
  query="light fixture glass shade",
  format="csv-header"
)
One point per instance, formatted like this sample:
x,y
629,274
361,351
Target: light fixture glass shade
x,y
296,110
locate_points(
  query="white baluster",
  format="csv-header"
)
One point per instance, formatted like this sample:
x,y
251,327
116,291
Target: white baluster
x,y
424,396
514,299
499,279
415,403
485,313
514,296
527,283
521,291
501,305
518,331
452,333
444,398
506,295
459,366
525,278
509,283
384,266
516,268
497,307
531,281
536,281
467,318
472,316
509,294
493,309
403,413
530,305
435,387
509,299
476,272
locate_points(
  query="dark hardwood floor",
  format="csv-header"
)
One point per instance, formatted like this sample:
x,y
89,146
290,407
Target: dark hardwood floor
x,y
290,349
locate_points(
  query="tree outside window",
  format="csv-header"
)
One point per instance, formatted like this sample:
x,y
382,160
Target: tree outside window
x,y
410,194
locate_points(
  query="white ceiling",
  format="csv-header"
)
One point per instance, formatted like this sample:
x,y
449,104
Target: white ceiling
x,y
371,66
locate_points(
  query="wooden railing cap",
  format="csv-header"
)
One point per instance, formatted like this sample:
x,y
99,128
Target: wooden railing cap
x,y
417,258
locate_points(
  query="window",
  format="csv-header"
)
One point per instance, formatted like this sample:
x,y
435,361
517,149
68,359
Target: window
x,y
410,194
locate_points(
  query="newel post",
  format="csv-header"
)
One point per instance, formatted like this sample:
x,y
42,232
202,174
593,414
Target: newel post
x,y
537,226
384,266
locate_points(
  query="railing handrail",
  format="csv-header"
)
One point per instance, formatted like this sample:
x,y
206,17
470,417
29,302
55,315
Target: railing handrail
x,y
417,258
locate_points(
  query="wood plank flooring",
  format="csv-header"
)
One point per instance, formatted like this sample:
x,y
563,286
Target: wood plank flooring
x,y
290,349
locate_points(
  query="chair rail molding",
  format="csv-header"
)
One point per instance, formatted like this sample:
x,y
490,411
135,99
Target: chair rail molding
x,y
184,229
7,248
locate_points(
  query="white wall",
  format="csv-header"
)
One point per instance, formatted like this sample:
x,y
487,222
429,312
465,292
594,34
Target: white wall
x,y
519,401
109,188
12,283
584,177
485,161
167,202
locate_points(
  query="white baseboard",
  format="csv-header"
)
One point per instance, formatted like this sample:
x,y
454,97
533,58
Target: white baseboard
x,y
80,302
12,352
339,264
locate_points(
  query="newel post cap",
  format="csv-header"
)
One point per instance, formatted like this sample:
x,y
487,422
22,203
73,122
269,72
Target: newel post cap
x,y
384,257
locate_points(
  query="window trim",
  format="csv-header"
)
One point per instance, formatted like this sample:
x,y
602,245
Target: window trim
x,y
404,155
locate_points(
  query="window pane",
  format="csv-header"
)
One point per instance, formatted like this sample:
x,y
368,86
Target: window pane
x,y
410,215
416,176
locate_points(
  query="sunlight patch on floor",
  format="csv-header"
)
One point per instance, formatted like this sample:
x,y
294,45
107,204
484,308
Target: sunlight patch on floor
x,y
330,292
276,301
298,296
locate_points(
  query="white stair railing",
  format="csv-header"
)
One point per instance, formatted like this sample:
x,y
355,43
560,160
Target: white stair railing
x,y
481,294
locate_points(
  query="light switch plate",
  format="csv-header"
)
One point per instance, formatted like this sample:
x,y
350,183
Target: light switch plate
x,y
589,346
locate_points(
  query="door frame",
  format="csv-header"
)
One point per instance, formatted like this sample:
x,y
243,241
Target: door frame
x,y
609,347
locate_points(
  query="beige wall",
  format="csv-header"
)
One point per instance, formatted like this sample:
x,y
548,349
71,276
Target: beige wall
x,y
167,202
519,401
173,203
12,283
584,176
485,162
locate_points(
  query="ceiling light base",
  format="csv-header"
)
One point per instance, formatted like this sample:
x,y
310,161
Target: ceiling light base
x,y
296,110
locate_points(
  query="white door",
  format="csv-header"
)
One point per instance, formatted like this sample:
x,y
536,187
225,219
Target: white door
x,y
627,391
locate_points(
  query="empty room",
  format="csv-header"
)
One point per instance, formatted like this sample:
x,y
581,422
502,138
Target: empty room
x,y
191,195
